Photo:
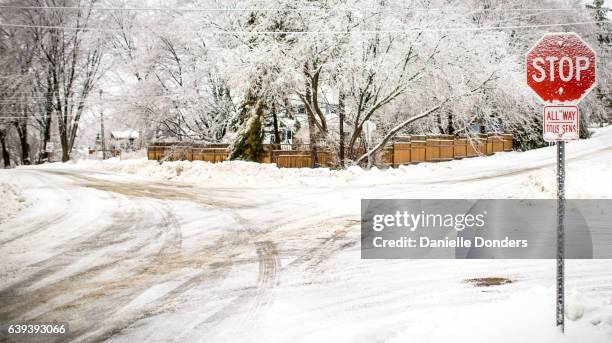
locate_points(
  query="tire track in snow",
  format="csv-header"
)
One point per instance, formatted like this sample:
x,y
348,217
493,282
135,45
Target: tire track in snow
x,y
19,299
24,296
252,300
312,258
265,255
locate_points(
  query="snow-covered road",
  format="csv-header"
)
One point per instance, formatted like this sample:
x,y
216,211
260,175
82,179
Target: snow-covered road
x,y
130,258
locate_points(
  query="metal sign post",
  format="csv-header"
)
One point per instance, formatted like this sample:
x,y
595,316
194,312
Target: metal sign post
x,y
561,235
561,70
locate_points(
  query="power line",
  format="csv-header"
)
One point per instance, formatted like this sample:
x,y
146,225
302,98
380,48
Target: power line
x,y
415,30
111,98
93,100
299,9
2,117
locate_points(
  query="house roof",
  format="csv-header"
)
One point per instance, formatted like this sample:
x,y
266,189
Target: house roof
x,y
126,134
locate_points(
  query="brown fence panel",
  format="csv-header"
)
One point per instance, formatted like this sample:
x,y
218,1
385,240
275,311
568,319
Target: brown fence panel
x,y
219,155
323,159
212,155
417,151
197,154
476,147
293,161
460,148
276,153
179,153
169,152
472,148
152,152
507,141
447,149
497,143
158,152
489,147
432,150
401,153
385,157
300,159
439,149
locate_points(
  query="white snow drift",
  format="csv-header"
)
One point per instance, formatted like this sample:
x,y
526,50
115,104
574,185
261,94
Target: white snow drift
x,y
13,201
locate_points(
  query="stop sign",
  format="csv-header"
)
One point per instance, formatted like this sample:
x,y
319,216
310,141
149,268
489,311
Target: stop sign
x,y
561,68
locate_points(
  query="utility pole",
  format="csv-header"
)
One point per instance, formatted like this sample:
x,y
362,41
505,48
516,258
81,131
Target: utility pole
x,y
102,138
341,126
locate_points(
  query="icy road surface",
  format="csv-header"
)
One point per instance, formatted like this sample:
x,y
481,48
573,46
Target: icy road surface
x,y
125,258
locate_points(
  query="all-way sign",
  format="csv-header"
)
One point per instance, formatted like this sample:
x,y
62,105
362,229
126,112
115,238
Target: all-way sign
x,y
561,123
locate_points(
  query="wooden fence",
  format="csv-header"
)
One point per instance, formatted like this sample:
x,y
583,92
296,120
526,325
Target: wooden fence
x,y
418,149
404,150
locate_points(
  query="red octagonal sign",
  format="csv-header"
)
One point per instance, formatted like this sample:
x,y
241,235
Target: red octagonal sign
x,y
561,68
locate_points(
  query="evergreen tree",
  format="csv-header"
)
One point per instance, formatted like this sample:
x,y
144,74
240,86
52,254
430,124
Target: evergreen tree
x,y
248,143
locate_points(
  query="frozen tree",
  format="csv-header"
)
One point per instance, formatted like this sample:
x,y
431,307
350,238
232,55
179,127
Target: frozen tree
x,y
70,61
16,58
180,92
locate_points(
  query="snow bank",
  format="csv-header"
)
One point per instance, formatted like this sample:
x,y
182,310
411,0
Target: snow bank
x,y
524,317
585,179
250,174
12,201
241,173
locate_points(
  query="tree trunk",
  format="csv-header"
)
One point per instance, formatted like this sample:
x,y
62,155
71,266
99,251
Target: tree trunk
x,y
450,128
341,126
312,126
22,131
397,128
5,153
353,140
277,138
46,137
102,136
439,122
65,152
64,142
46,127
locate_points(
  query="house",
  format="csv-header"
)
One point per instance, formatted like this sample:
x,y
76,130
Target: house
x,y
123,140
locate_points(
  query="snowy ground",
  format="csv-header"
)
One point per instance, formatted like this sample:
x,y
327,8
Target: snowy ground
x,y
12,201
235,252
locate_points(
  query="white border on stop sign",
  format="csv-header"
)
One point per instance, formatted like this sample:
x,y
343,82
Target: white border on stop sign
x,y
586,92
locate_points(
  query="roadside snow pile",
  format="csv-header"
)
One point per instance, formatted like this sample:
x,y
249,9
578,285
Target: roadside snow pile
x,y
584,179
12,201
234,173
524,317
